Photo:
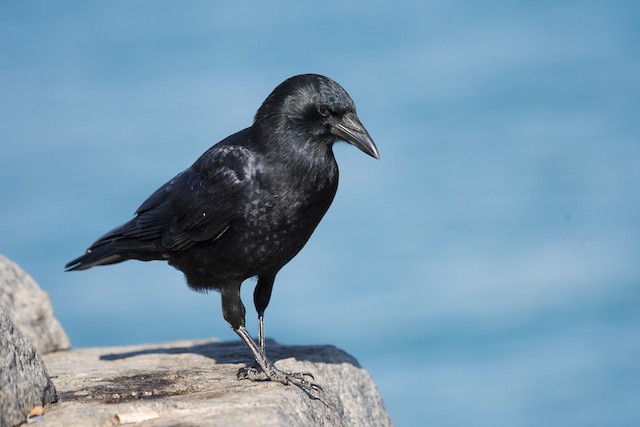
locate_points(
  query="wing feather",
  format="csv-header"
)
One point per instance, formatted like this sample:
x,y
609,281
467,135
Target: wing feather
x,y
197,205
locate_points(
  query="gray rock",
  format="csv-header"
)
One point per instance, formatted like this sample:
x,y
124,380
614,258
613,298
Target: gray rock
x,y
193,383
30,309
24,382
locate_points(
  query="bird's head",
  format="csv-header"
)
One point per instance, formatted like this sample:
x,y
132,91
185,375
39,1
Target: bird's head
x,y
315,109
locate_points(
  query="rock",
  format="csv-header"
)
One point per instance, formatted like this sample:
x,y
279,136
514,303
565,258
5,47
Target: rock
x,y
30,309
194,383
24,382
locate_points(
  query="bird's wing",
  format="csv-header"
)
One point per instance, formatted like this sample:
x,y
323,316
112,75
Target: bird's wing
x,y
197,205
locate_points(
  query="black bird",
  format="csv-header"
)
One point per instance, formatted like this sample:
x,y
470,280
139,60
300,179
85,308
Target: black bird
x,y
247,206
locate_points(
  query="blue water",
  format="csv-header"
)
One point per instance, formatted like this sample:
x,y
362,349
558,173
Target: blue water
x,y
485,270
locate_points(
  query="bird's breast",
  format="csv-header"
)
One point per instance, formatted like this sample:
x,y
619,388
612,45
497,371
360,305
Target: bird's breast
x,y
280,220
270,227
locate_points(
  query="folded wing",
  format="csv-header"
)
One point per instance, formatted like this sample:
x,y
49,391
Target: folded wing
x,y
195,207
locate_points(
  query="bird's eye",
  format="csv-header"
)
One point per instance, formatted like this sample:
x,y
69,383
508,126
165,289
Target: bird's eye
x,y
323,110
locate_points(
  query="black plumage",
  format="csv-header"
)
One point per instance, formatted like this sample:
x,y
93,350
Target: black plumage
x,y
247,206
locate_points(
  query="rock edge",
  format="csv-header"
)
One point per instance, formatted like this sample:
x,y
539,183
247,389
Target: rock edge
x,y
30,309
24,382
194,383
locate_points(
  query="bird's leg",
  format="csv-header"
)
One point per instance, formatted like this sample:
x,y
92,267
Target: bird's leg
x,y
274,374
255,371
261,298
233,311
263,348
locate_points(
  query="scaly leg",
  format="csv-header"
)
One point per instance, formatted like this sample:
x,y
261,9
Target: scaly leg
x,y
274,374
261,298
234,313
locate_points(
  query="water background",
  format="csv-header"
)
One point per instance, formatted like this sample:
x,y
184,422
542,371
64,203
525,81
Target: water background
x,y
485,271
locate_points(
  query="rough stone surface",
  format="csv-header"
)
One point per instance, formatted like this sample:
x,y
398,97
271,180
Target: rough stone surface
x,y
193,383
30,309
24,382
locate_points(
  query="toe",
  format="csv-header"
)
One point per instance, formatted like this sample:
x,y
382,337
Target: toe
x,y
251,373
299,380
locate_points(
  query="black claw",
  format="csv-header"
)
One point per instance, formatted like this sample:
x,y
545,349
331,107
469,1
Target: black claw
x,y
307,374
316,387
298,379
302,375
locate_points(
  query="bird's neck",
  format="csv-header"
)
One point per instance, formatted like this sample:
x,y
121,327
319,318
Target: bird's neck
x,y
296,162
297,151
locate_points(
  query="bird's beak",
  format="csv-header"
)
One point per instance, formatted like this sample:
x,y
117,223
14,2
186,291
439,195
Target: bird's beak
x,y
351,130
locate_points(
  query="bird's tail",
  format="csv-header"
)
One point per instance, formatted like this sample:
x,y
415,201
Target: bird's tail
x,y
114,247
95,256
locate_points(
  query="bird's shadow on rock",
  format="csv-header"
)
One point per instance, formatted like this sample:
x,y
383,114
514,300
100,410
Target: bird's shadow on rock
x,y
236,352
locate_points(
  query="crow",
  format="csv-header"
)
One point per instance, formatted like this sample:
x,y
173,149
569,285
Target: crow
x,y
247,206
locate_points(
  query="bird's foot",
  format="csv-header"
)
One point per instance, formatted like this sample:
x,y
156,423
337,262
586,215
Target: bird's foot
x,y
253,373
303,380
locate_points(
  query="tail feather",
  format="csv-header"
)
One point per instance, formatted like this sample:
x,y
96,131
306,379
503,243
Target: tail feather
x,y
132,240
114,247
93,257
